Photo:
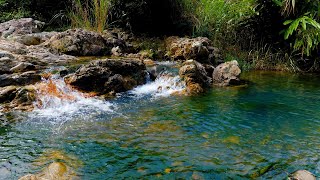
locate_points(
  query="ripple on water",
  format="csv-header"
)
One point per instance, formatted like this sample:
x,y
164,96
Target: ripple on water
x,y
265,130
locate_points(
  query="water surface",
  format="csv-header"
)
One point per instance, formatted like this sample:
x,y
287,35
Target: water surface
x,y
267,129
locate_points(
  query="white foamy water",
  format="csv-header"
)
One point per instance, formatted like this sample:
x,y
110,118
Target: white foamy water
x,y
164,85
56,99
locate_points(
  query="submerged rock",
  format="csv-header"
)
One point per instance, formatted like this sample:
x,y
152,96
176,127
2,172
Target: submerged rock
x,y
20,27
227,74
199,48
195,76
54,171
108,76
80,42
302,175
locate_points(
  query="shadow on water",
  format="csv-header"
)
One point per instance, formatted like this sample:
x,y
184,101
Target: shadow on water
x,y
264,130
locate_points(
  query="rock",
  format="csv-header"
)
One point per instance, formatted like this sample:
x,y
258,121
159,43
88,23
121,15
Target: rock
x,y
107,76
18,98
37,55
195,76
149,62
227,74
22,67
199,49
116,51
33,39
5,65
7,93
302,175
54,171
26,78
20,27
79,42
42,56
12,47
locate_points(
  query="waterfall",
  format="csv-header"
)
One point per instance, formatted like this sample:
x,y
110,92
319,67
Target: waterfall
x,y
56,99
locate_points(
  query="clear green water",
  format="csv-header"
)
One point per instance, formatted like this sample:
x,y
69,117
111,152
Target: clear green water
x,y
265,130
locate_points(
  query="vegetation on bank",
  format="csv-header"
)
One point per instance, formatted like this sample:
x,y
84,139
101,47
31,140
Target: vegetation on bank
x,y
260,34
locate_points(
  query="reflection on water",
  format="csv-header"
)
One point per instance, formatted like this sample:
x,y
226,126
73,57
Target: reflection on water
x,y
266,129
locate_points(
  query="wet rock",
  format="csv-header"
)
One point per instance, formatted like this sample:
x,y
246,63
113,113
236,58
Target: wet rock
x,y
199,49
54,171
26,78
7,93
227,74
302,175
20,27
149,62
18,98
107,76
79,42
195,76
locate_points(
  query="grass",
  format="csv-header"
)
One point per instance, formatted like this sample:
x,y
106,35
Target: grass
x,y
90,14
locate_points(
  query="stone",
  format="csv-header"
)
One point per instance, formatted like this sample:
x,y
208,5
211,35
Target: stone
x,y
7,93
108,76
55,171
199,49
20,27
302,175
22,67
195,77
227,74
34,38
18,98
26,78
12,47
80,42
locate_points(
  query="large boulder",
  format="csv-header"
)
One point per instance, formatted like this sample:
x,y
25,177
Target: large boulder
x,y
20,27
80,42
302,175
108,76
227,74
195,76
199,49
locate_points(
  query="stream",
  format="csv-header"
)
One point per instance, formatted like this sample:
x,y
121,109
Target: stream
x,y
266,129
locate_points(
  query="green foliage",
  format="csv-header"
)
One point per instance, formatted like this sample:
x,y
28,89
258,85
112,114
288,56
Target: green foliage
x,y
304,29
217,17
13,9
90,14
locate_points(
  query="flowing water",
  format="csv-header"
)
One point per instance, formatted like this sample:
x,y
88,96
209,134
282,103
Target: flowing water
x,y
266,129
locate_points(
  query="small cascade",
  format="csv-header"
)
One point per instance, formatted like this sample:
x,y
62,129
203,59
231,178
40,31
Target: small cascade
x,y
56,99
164,85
